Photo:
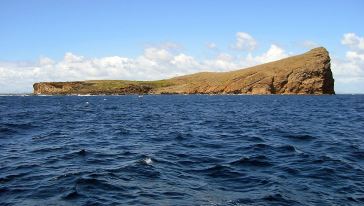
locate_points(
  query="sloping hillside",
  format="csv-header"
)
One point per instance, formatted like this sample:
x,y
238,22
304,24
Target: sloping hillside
x,y
309,73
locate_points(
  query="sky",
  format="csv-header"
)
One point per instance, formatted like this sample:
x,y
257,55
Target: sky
x,y
67,40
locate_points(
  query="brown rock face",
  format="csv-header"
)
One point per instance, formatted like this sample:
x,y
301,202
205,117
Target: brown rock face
x,y
308,73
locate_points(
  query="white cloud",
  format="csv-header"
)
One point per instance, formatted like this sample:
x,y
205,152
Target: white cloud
x,y
349,71
274,53
44,61
222,62
245,41
69,57
157,54
353,41
345,70
355,56
184,61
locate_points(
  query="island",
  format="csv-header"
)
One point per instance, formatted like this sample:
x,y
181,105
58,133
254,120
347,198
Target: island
x,y
308,73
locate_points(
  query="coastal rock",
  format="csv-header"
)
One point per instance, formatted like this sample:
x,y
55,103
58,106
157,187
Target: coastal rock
x,y
309,73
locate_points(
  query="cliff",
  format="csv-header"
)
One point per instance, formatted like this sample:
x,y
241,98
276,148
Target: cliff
x,y
308,73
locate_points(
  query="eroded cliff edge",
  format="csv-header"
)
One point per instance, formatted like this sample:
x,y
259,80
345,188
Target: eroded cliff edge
x,y
308,73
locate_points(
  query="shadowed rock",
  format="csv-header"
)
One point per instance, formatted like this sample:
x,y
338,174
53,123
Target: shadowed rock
x,y
309,73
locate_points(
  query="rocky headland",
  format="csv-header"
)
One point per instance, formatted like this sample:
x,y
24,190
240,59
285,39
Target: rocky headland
x,y
308,73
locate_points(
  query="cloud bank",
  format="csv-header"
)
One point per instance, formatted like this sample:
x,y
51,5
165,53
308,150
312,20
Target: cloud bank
x,y
349,71
168,60
158,62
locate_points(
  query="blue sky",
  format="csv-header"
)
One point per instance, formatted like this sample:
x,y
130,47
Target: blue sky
x,y
34,30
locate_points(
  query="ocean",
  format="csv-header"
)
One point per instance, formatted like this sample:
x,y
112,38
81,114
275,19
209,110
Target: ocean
x,y
182,150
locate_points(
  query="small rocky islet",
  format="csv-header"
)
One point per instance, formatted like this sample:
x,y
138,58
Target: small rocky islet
x,y
308,73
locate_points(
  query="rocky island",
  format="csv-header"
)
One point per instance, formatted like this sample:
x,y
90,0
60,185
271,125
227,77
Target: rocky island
x,y
308,73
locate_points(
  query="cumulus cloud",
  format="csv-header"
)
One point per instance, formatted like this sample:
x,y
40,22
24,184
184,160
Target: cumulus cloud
x,y
157,54
274,53
222,62
349,71
353,41
245,41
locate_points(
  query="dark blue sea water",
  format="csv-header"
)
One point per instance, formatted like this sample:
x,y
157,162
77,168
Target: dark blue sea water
x,y
182,150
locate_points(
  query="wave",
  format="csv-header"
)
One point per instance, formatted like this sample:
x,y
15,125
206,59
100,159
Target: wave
x,y
257,161
300,137
221,171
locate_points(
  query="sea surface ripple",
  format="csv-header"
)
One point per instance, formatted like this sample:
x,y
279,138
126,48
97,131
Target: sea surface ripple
x,y
182,150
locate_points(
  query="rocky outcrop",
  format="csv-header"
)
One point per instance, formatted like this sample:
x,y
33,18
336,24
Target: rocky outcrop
x,y
308,73
55,87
